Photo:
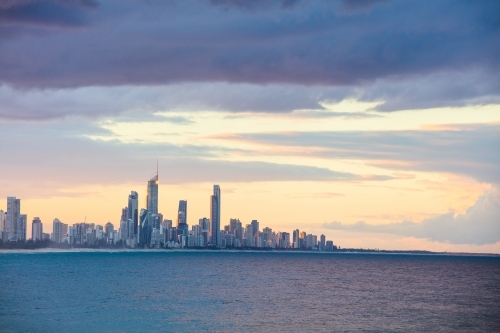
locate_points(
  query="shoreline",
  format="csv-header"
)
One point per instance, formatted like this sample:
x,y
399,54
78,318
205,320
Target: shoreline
x,y
341,251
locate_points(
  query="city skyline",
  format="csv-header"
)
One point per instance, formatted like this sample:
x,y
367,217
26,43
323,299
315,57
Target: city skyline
x,y
374,123
154,231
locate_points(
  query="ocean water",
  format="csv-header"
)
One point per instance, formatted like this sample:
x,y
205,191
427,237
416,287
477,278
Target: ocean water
x,y
169,291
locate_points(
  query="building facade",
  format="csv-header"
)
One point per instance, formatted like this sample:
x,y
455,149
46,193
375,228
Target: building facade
x,y
133,213
215,206
182,226
152,196
12,220
37,230
204,224
2,220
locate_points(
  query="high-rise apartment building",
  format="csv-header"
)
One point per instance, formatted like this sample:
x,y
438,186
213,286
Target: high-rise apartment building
x,y
309,241
130,237
22,227
15,223
255,226
37,230
158,221
2,220
268,236
182,212
124,215
204,224
322,243
182,227
145,228
110,228
296,239
167,227
215,206
124,228
57,231
13,212
249,235
133,213
236,228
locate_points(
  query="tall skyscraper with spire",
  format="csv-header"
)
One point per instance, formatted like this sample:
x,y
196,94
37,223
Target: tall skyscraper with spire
x,y
152,194
215,217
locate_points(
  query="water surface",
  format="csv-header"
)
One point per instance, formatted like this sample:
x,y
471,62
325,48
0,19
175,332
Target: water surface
x,y
168,291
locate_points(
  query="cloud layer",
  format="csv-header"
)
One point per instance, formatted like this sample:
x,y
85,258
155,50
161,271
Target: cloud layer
x,y
286,42
58,156
480,224
470,150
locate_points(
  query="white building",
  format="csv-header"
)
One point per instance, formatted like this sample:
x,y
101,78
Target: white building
x,y
2,220
37,230
12,221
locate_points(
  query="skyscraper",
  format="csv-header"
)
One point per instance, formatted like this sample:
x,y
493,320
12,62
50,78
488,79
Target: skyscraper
x,y
215,217
2,220
152,195
57,231
110,228
22,226
133,213
255,227
249,235
182,227
322,246
145,228
37,230
13,218
236,228
296,239
205,229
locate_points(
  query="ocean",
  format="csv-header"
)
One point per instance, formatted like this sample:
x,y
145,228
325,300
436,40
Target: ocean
x,y
222,291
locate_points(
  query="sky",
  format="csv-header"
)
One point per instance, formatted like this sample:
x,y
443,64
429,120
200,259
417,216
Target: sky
x,y
374,122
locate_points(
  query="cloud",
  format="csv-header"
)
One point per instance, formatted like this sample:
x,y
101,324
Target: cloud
x,y
469,150
318,195
291,100
440,89
46,13
59,156
253,4
353,6
92,102
309,43
479,225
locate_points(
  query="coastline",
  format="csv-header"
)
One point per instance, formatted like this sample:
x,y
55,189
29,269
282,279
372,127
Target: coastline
x,y
341,251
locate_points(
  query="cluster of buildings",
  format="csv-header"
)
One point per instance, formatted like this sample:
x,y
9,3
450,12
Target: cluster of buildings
x,y
147,228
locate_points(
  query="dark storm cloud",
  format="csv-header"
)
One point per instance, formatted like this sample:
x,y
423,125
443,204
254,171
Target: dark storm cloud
x,y
470,150
480,224
433,91
49,13
253,4
92,102
309,42
359,5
